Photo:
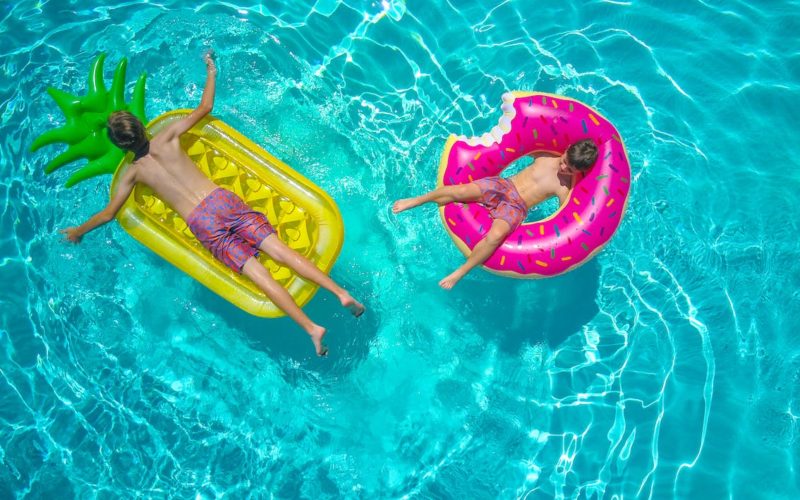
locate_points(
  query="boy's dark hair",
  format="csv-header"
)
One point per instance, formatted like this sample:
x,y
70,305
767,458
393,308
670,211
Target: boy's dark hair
x,y
582,154
126,131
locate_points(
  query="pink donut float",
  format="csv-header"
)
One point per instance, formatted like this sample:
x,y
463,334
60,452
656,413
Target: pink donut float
x,y
536,122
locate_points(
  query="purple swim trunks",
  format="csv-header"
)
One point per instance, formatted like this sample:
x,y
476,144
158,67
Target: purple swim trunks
x,y
227,227
502,200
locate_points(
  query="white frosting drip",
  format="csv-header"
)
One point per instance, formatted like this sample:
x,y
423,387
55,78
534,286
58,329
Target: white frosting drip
x,y
503,125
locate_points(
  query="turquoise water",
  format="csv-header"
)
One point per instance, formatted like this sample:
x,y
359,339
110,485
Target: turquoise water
x,y
669,366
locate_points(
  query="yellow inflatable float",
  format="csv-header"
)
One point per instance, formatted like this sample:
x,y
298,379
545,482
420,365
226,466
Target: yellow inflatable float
x,y
304,216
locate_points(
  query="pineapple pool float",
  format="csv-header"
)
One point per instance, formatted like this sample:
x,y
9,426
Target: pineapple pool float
x,y
304,216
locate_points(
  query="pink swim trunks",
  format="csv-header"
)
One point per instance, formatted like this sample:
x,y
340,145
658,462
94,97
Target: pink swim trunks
x,y
227,227
502,200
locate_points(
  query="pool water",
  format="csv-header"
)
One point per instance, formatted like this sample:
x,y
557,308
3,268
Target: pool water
x,y
668,366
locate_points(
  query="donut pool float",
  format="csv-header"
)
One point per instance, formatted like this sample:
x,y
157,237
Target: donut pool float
x,y
536,122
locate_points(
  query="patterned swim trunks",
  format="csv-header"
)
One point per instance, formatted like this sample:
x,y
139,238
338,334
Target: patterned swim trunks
x,y
227,227
502,200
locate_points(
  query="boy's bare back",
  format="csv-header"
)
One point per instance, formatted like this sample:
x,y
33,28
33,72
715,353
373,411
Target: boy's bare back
x,y
172,174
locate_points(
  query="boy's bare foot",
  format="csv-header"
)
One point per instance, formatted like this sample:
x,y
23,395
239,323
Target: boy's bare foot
x,y
450,280
316,333
403,204
355,307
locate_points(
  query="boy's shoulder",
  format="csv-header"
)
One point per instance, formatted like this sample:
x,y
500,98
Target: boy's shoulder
x,y
165,142
545,159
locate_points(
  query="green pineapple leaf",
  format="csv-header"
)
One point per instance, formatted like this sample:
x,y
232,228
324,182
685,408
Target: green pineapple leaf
x,y
85,130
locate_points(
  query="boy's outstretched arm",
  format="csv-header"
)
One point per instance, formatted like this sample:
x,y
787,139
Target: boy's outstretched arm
x,y
562,198
206,104
126,184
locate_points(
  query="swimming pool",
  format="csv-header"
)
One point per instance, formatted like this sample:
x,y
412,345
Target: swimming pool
x,y
667,366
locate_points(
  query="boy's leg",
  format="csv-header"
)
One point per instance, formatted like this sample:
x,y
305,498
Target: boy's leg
x,y
282,254
443,195
278,295
482,251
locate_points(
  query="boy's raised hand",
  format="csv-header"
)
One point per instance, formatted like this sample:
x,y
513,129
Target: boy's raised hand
x,y
72,234
208,57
